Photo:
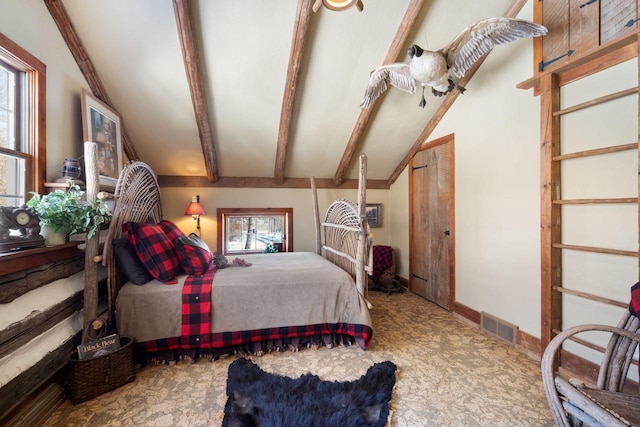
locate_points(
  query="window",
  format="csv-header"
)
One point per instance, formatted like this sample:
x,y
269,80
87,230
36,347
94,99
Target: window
x,y
12,160
22,124
242,231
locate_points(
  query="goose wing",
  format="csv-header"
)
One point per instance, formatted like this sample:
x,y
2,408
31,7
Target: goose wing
x,y
479,38
396,74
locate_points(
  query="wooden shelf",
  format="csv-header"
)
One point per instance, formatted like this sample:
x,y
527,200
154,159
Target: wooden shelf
x,y
11,262
52,186
29,269
595,60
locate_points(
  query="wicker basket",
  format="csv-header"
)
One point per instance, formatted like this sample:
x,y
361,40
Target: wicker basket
x,y
93,377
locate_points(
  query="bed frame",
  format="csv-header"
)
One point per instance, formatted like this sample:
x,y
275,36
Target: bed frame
x,y
344,237
346,242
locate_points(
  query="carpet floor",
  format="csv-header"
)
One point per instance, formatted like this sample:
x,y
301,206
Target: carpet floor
x,y
449,374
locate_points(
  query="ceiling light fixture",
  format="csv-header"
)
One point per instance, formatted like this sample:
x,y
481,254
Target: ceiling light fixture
x,y
338,5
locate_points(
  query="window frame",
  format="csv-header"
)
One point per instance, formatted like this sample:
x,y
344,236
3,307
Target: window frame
x,y
35,137
224,213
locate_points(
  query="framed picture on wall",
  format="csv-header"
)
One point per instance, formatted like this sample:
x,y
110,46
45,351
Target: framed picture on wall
x,y
101,124
374,214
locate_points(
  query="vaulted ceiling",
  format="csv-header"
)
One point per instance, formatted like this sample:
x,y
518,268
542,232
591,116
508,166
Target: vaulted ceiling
x,y
263,93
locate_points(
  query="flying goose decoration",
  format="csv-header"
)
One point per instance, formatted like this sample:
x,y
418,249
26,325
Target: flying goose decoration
x,y
441,69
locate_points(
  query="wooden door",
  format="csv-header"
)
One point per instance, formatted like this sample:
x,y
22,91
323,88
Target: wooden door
x,y
431,222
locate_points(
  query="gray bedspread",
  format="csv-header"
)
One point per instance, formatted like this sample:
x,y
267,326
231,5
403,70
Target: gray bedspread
x,y
281,289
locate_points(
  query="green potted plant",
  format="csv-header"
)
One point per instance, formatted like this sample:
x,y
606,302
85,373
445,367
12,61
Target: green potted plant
x,y
65,212
270,248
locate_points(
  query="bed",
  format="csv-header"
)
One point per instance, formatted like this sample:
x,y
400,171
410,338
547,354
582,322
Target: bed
x,y
281,301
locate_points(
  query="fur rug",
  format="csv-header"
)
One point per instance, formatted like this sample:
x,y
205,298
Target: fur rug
x,y
258,398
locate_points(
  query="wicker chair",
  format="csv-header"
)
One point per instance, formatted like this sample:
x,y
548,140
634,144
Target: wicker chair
x,y
572,403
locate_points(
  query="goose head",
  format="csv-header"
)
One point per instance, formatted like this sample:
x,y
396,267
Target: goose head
x,y
415,50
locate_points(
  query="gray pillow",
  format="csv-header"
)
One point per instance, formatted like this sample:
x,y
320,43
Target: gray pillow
x,y
129,264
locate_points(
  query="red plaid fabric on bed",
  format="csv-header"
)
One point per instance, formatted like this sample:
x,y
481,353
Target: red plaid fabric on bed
x,y
196,325
154,249
221,340
196,310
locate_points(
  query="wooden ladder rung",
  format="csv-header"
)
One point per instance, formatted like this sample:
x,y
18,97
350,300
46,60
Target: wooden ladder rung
x,y
595,249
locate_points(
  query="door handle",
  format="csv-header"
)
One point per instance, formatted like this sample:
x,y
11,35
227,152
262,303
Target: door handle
x,y
447,233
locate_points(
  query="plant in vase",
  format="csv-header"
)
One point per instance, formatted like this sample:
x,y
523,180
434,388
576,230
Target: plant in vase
x,y
270,248
66,212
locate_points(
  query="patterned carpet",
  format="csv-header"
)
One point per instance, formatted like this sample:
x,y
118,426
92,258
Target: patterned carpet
x,y
450,374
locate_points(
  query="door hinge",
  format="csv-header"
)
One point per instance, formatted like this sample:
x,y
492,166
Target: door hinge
x,y
587,3
630,22
542,64
418,277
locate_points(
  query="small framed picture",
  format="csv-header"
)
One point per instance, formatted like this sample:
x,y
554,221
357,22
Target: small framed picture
x,y
374,214
101,124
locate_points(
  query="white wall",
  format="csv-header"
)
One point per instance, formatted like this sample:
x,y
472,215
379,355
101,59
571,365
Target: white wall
x,y
175,201
497,208
497,185
496,129
29,24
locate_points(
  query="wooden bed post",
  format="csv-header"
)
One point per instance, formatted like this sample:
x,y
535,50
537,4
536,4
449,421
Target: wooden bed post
x,y
316,216
361,277
92,244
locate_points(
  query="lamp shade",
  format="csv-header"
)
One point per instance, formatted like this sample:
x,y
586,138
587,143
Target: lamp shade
x,y
194,207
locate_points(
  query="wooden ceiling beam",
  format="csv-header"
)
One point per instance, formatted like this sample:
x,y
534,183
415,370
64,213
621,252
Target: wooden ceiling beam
x,y
397,46
60,17
511,12
264,182
182,11
301,28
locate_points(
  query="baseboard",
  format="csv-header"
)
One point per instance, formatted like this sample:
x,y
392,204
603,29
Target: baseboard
x,y
572,365
404,282
525,343
586,371
39,407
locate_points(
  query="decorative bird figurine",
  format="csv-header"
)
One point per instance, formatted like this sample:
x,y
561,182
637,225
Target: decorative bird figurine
x,y
441,68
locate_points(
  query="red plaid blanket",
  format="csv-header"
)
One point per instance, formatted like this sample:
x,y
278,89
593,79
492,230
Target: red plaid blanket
x,y
221,340
634,305
196,325
196,310
382,259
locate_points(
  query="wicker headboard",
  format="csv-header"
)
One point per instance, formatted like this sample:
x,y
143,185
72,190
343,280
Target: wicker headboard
x,y
137,199
343,237
342,225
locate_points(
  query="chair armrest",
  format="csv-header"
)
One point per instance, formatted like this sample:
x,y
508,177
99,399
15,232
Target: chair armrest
x,y
549,356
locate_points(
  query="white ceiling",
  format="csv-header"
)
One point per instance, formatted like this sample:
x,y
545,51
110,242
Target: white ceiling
x,y
244,48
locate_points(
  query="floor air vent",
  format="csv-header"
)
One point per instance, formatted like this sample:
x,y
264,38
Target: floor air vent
x,y
498,327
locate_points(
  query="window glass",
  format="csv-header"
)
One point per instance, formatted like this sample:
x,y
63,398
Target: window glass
x,y
253,233
12,180
22,123
255,230
12,160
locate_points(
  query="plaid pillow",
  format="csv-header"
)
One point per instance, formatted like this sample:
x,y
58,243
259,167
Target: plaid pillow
x,y
154,249
171,230
194,254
